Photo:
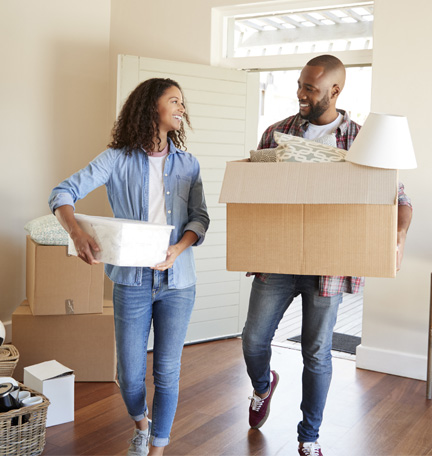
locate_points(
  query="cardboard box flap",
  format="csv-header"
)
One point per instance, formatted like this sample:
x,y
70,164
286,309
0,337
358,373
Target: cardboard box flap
x,y
307,183
48,370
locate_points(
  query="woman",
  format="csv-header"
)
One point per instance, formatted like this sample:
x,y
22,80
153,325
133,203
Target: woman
x,y
147,177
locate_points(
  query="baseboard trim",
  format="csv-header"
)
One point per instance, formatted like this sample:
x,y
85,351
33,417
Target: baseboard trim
x,y
391,362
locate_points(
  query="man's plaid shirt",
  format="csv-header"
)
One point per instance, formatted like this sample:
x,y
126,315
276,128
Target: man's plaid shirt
x,y
345,135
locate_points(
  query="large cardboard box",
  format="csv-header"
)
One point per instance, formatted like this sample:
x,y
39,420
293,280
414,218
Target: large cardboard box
x,y
59,284
84,343
311,218
56,382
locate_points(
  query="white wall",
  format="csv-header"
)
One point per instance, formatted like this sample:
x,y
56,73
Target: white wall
x,y
396,311
53,115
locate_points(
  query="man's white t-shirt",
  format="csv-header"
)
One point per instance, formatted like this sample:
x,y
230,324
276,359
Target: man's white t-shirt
x,y
317,131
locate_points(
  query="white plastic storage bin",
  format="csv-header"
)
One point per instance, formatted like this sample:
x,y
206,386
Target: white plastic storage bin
x,y
125,242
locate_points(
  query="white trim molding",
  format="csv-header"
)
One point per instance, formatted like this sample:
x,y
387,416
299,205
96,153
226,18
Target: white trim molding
x,y
298,61
391,362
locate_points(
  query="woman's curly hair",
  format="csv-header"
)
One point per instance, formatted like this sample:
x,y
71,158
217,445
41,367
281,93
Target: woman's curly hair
x,y
138,122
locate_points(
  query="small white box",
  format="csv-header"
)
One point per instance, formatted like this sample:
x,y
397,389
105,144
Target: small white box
x,y
125,242
56,382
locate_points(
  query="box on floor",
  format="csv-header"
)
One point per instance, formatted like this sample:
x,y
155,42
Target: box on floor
x,y
59,284
311,218
56,382
84,343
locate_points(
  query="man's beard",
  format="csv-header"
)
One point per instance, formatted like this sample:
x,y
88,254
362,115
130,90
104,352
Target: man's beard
x,y
318,109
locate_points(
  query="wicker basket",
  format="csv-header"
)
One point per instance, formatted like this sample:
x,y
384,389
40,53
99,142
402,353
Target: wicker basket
x,y
9,357
22,431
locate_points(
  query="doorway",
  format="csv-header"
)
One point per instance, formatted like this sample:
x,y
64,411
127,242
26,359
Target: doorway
x,y
349,323
278,100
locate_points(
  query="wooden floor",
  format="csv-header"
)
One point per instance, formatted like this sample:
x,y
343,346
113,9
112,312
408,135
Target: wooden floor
x,y
367,413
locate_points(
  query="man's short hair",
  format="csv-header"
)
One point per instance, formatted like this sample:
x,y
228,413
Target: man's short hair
x,y
329,62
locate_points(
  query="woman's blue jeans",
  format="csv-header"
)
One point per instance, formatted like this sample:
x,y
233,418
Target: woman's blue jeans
x,y
135,308
268,302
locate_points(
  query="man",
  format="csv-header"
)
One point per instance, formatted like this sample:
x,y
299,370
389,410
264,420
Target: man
x,y
319,85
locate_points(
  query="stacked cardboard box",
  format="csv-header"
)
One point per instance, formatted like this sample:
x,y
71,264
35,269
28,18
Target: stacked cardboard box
x,y
65,316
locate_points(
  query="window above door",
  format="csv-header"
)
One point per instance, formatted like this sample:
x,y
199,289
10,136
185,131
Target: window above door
x,y
286,34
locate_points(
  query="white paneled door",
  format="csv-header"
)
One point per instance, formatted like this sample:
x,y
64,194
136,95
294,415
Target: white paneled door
x,y
223,108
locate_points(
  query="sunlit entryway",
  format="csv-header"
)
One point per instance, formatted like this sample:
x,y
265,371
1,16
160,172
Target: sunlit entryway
x,y
278,100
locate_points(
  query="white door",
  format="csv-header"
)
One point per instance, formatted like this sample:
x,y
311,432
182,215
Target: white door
x,y
223,107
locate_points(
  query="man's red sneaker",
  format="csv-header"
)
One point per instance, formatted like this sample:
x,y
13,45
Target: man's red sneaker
x,y
259,408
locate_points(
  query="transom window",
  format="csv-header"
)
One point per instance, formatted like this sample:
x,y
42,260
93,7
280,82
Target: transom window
x,y
299,32
276,39
285,34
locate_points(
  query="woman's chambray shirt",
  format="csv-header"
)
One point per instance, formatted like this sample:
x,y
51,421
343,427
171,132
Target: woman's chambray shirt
x,y
126,178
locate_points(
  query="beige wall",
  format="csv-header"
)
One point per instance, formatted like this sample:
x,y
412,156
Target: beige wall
x,y
53,115
396,312
163,29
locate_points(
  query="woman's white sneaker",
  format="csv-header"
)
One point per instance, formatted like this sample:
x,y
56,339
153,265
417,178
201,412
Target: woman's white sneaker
x,y
139,442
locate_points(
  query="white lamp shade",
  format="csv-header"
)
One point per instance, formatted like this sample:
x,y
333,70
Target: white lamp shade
x,y
384,141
